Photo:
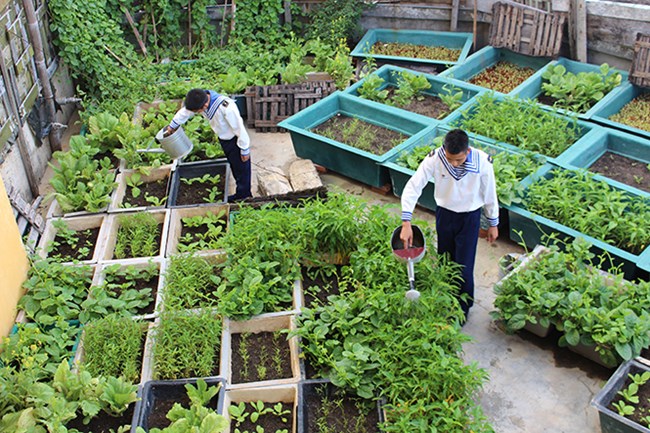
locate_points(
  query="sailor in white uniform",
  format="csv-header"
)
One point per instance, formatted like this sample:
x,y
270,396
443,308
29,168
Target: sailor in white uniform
x,y
464,185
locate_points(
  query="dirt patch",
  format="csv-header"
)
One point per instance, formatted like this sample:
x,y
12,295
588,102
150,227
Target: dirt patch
x,y
260,356
82,249
138,285
362,135
317,286
429,105
103,422
626,170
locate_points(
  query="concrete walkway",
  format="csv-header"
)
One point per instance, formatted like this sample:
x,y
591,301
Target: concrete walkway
x,y
534,386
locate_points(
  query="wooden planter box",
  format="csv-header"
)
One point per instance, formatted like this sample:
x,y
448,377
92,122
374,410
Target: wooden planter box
x,y
55,211
118,197
343,158
287,394
390,75
256,325
176,223
451,40
487,57
100,277
610,421
614,102
162,216
79,223
532,88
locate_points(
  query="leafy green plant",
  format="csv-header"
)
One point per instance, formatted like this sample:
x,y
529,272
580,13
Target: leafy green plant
x,y
67,238
370,88
409,86
192,281
578,92
520,123
113,347
258,410
199,336
206,230
336,20
233,81
137,236
502,77
452,97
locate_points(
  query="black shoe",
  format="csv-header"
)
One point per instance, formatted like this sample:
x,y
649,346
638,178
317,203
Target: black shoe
x,y
235,198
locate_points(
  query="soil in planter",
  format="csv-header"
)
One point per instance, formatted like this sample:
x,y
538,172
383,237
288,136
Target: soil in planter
x,y
156,189
362,135
199,193
429,52
260,356
195,234
165,400
642,409
83,250
270,422
430,106
626,170
502,77
329,406
115,161
103,422
318,286
139,284
550,101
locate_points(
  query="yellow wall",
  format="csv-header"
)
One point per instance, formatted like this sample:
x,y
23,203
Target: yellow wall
x,y
13,263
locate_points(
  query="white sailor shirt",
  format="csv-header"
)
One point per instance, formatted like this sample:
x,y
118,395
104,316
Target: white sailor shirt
x,y
224,118
465,188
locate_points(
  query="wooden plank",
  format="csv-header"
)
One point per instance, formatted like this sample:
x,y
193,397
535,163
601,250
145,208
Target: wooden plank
x,y
580,23
453,25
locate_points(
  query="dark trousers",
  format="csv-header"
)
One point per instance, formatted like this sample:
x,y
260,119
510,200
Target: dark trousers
x,y
240,170
458,236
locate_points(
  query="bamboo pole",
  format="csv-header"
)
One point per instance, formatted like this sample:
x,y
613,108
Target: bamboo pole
x,y
129,18
155,33
474,21
189,25
223,22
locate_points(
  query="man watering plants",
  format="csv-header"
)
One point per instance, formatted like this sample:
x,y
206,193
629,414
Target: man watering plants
x,y
227,123
464,186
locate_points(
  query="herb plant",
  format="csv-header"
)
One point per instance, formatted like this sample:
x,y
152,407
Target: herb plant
x,y
502,77
416,51
138,235
191,281
635,113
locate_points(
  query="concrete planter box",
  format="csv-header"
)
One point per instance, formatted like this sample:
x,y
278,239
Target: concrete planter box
x,y
533,228
584,129
614,102
390,74
585,153
256,325
287,394
162,216
167,392
79,223
487,57
611,421
55,211
161,265
176,223
533,86
342,158
119,195
451,40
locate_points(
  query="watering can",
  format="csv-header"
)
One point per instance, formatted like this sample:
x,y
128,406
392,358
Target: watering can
x,y
410,255
177,144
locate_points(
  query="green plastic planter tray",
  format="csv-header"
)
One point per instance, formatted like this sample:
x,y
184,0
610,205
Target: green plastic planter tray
x,y
390,75
532,88
451,40
586,129
611,421
612,104
342,158
533,227
487,57
585,153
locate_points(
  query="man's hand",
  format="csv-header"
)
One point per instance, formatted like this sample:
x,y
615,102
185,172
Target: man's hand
x,y
492,234
245,158
168,131
406,235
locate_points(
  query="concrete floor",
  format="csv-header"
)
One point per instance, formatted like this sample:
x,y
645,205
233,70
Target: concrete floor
x,y
534,386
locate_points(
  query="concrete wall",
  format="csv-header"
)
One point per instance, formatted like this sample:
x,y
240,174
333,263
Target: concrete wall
x,y
13,264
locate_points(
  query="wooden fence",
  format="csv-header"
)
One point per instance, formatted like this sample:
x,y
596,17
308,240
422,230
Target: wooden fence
x,y
640,70
267,106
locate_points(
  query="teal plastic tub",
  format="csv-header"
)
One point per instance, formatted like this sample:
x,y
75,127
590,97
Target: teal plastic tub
x,y
614,102
586,129
532,88
340,157
534,227
451,40
585,153
390,74
487,57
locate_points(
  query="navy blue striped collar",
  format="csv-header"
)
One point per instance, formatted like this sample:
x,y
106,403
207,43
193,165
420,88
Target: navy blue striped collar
x,y
215,101
471,164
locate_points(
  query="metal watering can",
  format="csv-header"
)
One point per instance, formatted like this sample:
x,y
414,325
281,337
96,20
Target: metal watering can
x,y
177,145
410,255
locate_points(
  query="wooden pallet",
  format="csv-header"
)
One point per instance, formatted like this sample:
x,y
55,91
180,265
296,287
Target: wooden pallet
x,y
640,70
269,105
526,30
